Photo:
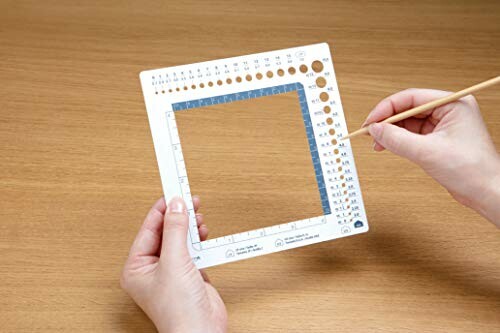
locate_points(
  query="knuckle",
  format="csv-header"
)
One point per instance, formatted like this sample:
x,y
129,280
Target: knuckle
x,y
153,214
472,101
176,221
410,90
393,142
124,281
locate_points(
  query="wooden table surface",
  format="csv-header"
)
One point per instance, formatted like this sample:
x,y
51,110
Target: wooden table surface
x,y
78,169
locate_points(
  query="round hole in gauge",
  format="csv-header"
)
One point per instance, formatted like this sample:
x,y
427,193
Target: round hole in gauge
x,y
229,81
202,85
258,76
303,68
281,72
331,131
324,96
238,79
291,70
336,151
169,90
346,199
156,92
321,82
317,66
340,168
343,184
334,141
348,206
210,84
342,177
345,192
177,89
219,82
185,88
269,74
329,121
327,109
338,161
193,87
163,91
248,77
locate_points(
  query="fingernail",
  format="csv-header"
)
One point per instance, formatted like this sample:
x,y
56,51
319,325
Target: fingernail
x,y
176,205
374,144
375,130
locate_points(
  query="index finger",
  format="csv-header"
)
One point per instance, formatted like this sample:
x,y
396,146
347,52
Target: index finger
x,y
148,239
403,101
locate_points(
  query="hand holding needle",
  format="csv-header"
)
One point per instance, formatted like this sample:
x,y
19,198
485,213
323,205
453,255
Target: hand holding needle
x,y
430,105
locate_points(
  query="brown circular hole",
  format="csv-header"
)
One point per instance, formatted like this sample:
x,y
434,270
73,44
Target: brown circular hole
x,y
343,184
169,90
193,87
238,79
258,76
327,109
202,85
291,70
348,206
321,82
229,81
346,199
338,161
303,68
317,66
248,77
210,84
334,142
324,96
331,131
177,89
281,72
336,151
329,121
340,168
219,82
269,74
185,88
345,192
163,91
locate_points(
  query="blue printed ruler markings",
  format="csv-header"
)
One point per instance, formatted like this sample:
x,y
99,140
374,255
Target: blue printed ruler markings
x,y
325,203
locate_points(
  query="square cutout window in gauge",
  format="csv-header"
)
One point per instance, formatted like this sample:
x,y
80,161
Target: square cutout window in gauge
x,y
250,162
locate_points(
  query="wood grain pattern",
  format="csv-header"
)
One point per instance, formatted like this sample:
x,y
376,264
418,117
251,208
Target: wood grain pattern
x,y
250,163
78,171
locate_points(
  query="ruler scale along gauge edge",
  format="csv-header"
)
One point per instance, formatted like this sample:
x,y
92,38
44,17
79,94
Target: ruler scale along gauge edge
x,y
307,70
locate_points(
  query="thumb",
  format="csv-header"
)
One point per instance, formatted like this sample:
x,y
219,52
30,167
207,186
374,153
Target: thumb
x,y
398,140
175,229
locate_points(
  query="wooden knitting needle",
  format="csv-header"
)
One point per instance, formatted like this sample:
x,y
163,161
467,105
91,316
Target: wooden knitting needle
x,y
430,105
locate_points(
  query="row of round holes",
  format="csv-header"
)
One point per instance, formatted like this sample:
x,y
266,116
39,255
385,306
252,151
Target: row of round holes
x,y
316,66
321,83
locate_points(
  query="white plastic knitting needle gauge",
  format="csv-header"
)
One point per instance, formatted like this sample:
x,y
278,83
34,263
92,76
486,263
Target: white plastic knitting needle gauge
x,y
269,125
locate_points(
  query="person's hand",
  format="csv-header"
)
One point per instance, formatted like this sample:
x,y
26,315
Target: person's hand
x,y
163,280
451,143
